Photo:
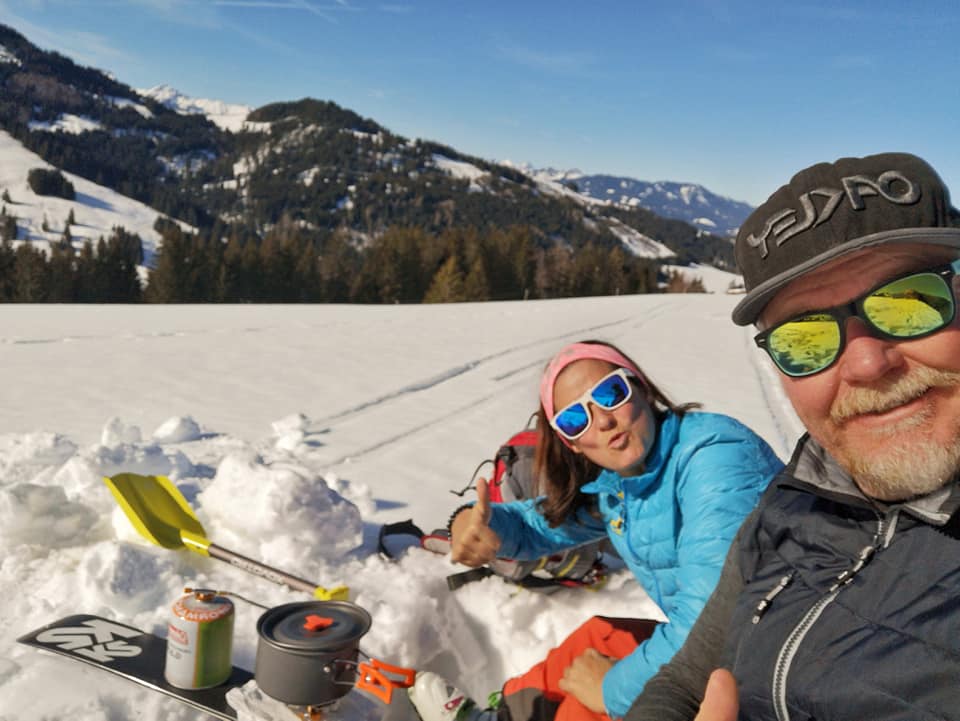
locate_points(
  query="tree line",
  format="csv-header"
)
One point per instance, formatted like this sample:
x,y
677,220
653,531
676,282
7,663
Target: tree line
x,y
289,265
405,264
101,272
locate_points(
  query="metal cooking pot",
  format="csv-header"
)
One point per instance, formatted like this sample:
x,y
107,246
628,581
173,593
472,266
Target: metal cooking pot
x,y
307,651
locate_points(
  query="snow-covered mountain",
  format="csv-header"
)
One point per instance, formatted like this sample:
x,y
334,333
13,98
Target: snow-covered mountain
x,y
689,202
229,116
692,203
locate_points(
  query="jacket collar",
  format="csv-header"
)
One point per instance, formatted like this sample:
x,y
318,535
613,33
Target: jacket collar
x,y
816,470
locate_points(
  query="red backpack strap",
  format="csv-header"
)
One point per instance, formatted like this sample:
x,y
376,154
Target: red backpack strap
x,y
499,467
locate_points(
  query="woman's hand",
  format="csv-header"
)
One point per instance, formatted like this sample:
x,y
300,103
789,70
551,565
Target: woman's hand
x,y
471,540
583,679
720,701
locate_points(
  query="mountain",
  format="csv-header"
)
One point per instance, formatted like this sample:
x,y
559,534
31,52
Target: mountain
x,y
308,166
689,202
228,116
692,203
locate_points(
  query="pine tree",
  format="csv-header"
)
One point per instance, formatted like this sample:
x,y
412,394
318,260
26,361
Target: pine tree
x,y
86,284
8,228
543,279
101,272
201,269
476,287
32,274
167,282
511,263
230,285
8,270
124,253
393,268
447,285
561,260
277,263
307,275
252,285
615,276
589,264
62,282
338,264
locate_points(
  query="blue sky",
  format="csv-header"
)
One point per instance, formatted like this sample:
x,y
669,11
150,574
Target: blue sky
x,y
734,95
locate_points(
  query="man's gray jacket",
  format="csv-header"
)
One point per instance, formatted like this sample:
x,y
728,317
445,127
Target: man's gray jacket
x,y
831,607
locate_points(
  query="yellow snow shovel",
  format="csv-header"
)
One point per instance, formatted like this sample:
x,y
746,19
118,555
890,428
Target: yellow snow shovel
x,y
161,514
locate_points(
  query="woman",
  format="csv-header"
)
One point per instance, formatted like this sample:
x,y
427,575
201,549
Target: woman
x,y
668,487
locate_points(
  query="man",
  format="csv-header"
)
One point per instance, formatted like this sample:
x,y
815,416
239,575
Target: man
x,y
840,597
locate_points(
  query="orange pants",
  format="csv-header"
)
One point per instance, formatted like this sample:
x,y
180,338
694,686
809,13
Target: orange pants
x,y
536,695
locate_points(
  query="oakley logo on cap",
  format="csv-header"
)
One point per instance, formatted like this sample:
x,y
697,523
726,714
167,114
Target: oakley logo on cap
x,y
785,224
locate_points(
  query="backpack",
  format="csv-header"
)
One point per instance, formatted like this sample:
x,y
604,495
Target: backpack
x,y
513,479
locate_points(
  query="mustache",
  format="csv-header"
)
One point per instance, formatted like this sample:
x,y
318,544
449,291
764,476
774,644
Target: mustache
x,y
895,393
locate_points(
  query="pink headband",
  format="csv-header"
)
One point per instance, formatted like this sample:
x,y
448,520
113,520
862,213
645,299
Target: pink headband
x,y
575,352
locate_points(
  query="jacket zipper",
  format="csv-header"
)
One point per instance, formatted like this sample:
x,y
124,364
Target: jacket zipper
x,y
789,649
768,599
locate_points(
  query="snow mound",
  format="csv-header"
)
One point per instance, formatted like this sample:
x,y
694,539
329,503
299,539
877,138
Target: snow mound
x,y
182,429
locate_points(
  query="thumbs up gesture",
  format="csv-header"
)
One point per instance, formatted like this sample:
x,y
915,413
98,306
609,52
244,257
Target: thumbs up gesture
x,y
720,701
472,542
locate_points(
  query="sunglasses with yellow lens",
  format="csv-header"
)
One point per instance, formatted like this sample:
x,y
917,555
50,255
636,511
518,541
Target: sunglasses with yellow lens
x,y
908,307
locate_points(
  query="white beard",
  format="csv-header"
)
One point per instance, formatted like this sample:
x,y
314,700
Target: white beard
x,y
897,471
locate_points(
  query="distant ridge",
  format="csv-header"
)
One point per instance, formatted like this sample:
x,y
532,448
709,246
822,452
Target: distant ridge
x,y
689,202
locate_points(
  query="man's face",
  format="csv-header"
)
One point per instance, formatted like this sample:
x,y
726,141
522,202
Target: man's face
x,y
888,411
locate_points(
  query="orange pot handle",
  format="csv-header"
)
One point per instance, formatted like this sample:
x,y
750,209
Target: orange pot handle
x,y
373,678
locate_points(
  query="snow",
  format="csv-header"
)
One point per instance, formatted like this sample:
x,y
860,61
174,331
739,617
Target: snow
x,y
637,243
458,168
228,116
714,280
67,123
8,57
307,177
97,209
127,103
295,432
691,193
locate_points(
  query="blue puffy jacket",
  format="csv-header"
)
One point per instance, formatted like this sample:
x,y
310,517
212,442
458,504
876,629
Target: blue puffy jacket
x,y
672,526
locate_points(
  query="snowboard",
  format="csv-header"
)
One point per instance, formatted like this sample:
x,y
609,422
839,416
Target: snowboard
x,y
131,653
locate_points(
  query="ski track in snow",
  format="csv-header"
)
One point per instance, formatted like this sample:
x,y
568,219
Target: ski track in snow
x,y
406,434
99,338
453,373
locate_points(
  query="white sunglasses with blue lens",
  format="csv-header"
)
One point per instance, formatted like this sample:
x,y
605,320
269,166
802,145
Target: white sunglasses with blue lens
x,y
609,393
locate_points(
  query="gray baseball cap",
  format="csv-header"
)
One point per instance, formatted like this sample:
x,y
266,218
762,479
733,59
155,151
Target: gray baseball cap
x,y
832,209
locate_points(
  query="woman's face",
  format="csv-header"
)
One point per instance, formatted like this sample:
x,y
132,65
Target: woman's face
x,y
617,440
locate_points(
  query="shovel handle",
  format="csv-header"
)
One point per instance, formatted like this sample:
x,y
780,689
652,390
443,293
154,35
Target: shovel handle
x,y
277,576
